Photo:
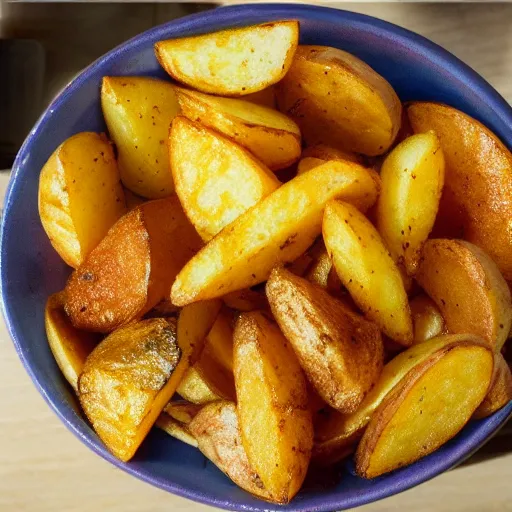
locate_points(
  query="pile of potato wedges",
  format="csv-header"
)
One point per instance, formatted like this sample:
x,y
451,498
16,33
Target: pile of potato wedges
x,y
279,263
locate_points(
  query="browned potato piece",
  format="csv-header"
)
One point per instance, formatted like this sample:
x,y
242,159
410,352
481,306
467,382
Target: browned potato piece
x,y
128,379
232,62
269,135
218,436
477,198
69,346
307,163
133,267
273,231
367,270
468,289
265,97
337,99
426,318
175,429
182,411
275,420
163,309
412,181
138,112
216,179
430,406
337,434
339,350
327,153
132,200
500,392
245,300
318,273
80,196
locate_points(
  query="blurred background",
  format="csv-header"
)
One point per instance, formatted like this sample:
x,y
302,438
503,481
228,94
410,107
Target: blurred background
x,y
44,45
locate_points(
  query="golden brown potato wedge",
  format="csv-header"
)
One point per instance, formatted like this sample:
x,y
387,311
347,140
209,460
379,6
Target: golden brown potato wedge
x,y
468,289
211,378
337,99
337,434
175,429
275,419
138,112
163,309
327,153
430,406
245,300
217,431
307,163
182,411
132,268
127,381
412,181
367,270
320,269
231,62
215,178
80,196
276,230
426,319
477,199
500,392
132,200
339,350
269,135
69,346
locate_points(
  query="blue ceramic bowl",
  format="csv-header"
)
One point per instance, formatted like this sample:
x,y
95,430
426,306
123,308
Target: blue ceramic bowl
x,y
31,269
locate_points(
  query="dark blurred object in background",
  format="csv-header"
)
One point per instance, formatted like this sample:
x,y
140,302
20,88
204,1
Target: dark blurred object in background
x,y
22,68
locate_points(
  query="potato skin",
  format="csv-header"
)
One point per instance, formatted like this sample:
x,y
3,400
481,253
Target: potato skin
x,y
233,62
426,318
430,406
361,115
412,181
69,346
138,112
269,135
341,352
477,198
271,232
133,267
126,382
216,179
275,419
80,195
216,428
468,289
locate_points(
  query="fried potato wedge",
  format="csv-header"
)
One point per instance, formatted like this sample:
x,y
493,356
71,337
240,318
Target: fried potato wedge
x,y
275,419
245,300
132,200
133,267
337,434
426,318
138,112
477,198
430,406
217,431
337,99
468,289
500,392
211,378
276,230
367,270
127,381
269,135
412,181
340,351
232,62
216,179
182,411
327,153
307,163
266,97
80,196
175,429
70,347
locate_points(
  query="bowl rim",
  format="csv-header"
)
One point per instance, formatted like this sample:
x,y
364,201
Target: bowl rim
x,y
422,46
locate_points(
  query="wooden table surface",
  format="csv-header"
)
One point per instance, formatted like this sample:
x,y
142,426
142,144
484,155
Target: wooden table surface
x,y
44,468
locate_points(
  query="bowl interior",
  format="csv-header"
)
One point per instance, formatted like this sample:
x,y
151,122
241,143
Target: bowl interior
x,y
31,269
